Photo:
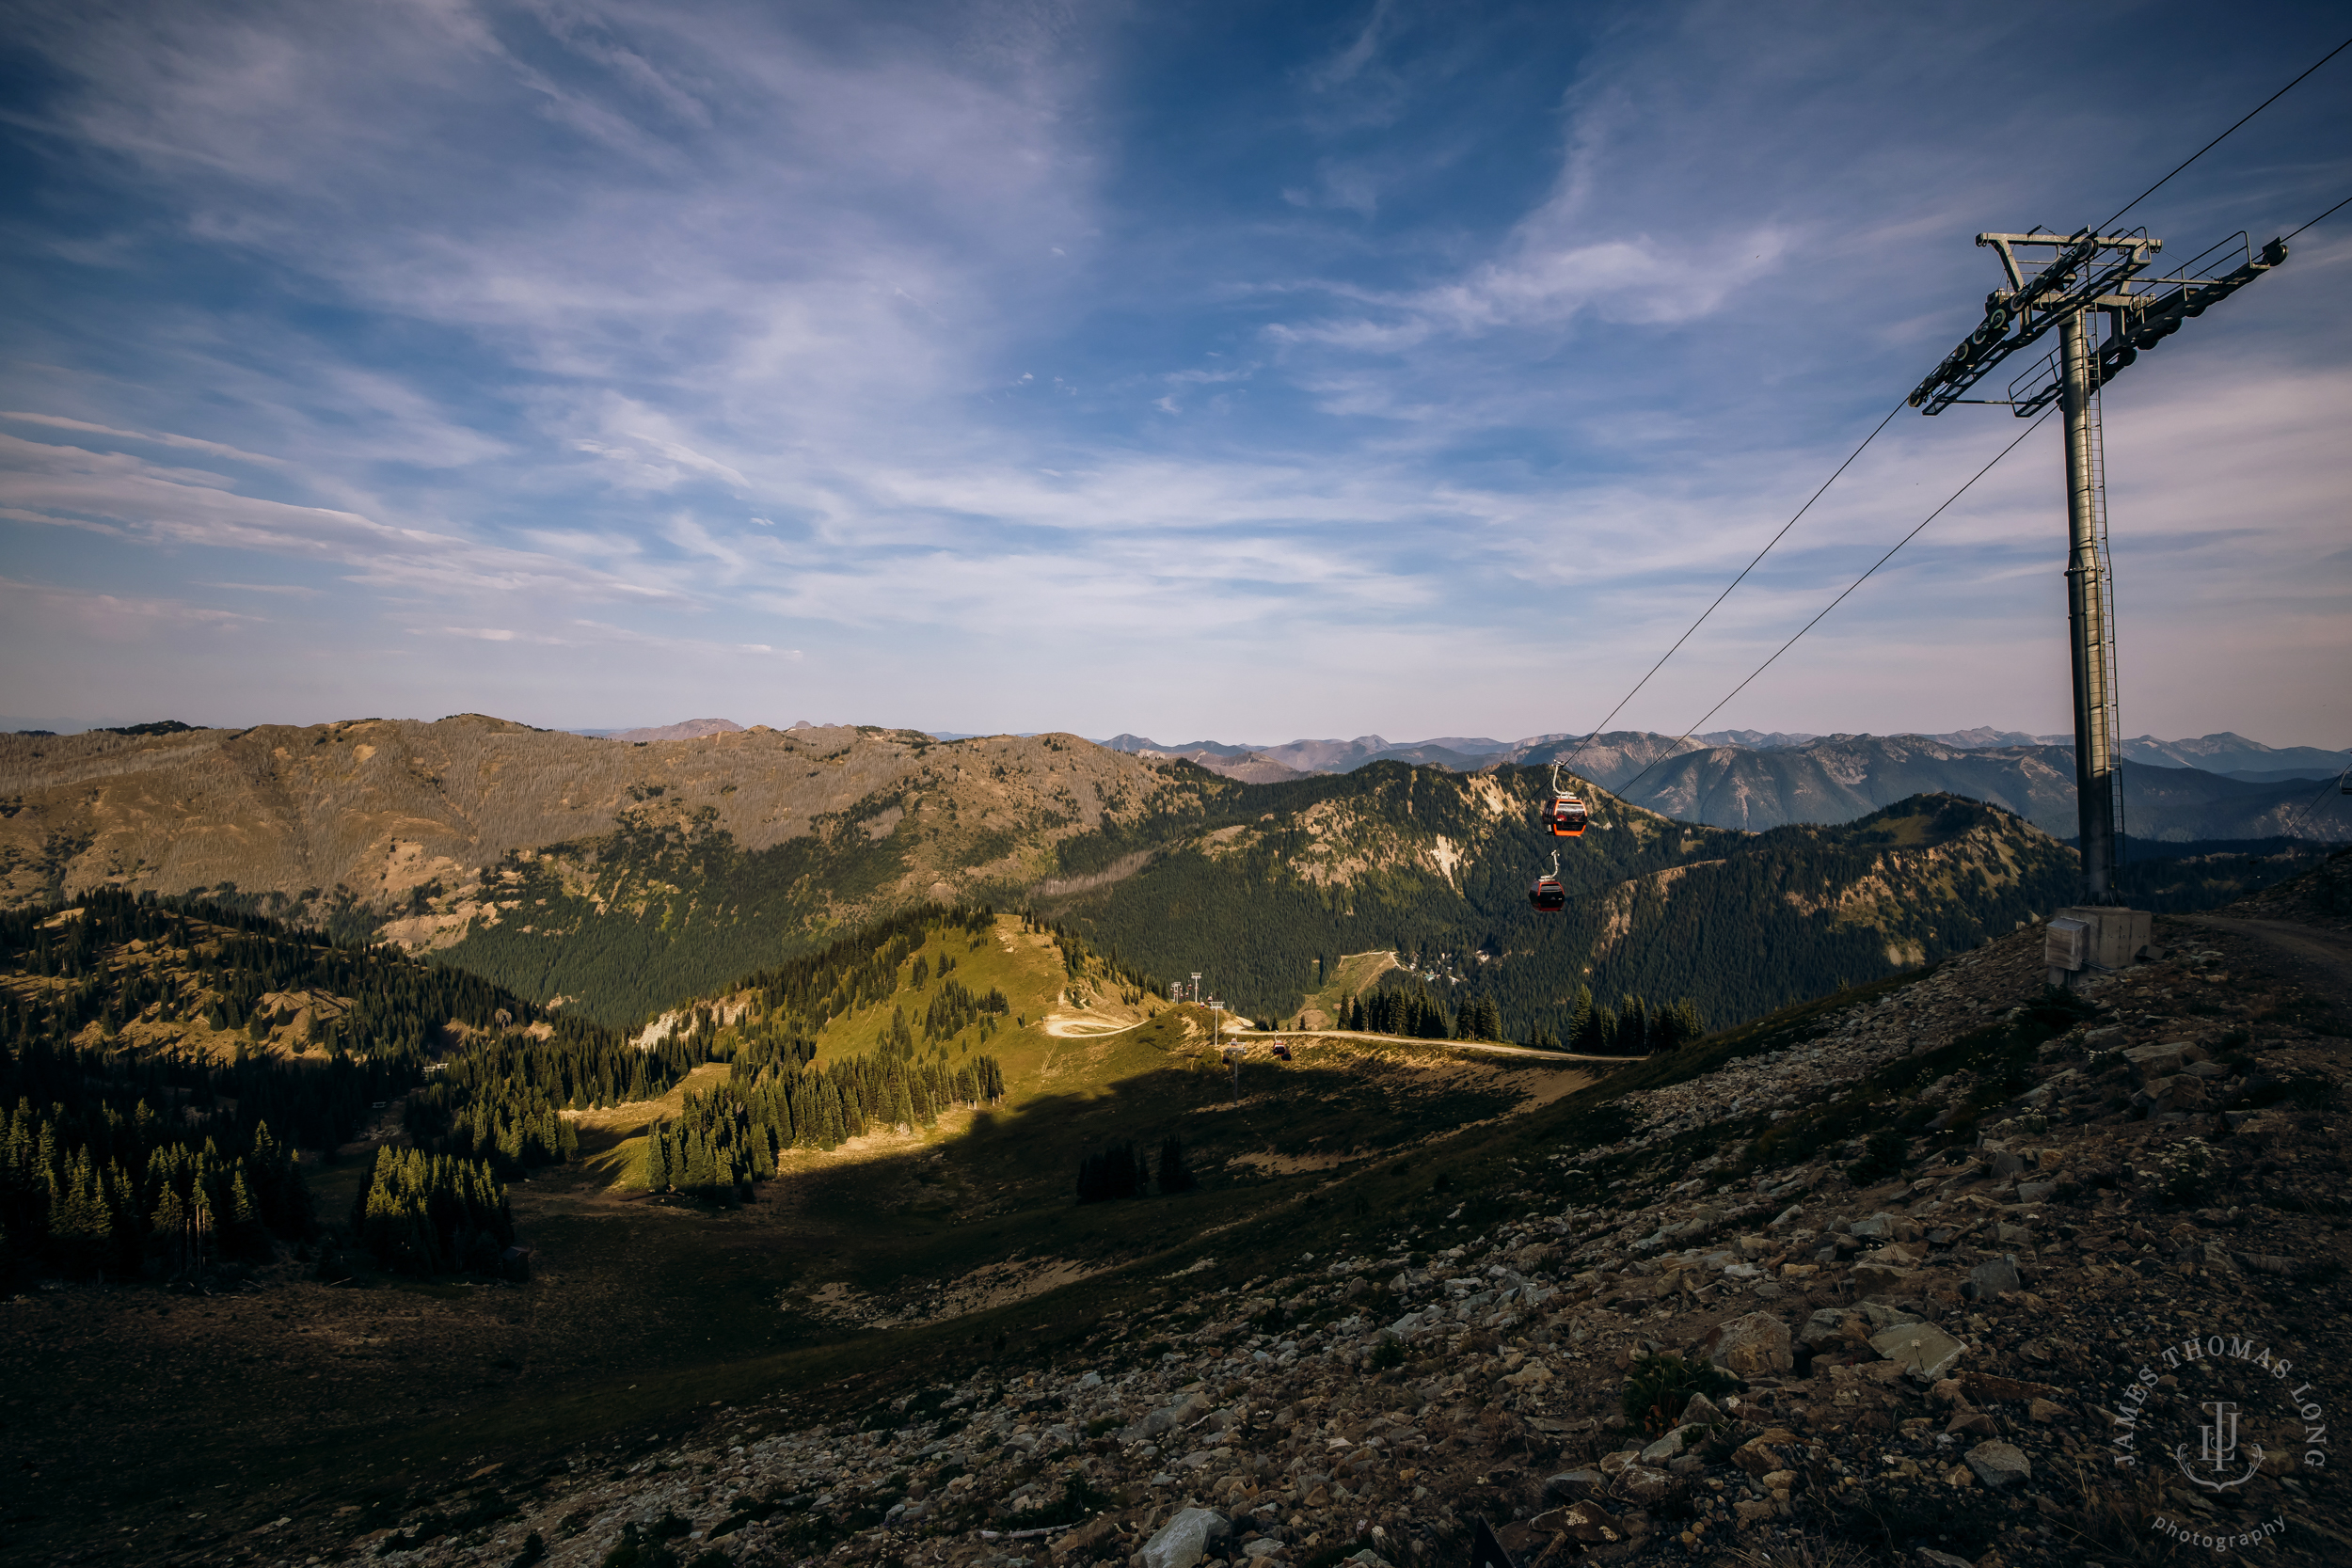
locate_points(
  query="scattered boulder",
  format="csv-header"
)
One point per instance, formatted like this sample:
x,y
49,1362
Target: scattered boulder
x,y
1873,1274
1673,1444
1992,1278
1645,1483
2155,1061
1999,1465
1757,1345
1589,1525
1702,1411
1833,1326
1183,1540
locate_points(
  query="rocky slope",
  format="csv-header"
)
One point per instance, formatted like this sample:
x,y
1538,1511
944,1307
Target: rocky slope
x,y
1879,1280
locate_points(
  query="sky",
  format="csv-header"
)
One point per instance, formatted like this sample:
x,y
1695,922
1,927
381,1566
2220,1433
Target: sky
x,y
1237,371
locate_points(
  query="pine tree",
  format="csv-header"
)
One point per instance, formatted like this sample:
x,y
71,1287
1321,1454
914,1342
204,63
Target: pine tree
x,y
1632,1027
1175,1177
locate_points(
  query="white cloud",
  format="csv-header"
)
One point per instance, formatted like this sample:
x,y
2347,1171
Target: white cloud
x,y
191,443
107,617
192,508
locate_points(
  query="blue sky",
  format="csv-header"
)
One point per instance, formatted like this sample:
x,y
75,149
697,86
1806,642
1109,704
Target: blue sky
x,y
1241,370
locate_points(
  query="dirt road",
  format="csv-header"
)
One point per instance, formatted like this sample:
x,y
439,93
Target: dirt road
x,y
2324,958
1311,1035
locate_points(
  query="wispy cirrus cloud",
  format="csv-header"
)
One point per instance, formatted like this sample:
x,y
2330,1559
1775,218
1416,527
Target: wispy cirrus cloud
x,y
197,509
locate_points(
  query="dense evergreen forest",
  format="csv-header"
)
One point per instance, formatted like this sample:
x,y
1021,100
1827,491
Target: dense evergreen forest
x,y
732,1135
776,1099
128,1145
435,1213
671,911
161,1061
1404,1004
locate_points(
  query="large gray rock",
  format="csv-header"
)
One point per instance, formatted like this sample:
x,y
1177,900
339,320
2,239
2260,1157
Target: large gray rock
x,y
1183,1540
1674,1445
1884,1228
1752,1346
1571,1485
1923,1351
1995,1275
1648,1485
1999,1465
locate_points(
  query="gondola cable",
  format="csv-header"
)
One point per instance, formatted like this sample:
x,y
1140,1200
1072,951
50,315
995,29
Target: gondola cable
x,y
2225,135
1620,790
2342,783
1570,761
2322,217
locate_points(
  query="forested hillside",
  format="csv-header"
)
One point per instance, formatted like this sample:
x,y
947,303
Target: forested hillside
x,y
160,1065
1435,866
167,1065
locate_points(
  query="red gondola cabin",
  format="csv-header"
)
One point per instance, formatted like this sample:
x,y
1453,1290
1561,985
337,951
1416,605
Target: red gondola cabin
x,y
1565,816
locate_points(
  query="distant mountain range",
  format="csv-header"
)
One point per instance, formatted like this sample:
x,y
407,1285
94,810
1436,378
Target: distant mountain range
x,y
2214,786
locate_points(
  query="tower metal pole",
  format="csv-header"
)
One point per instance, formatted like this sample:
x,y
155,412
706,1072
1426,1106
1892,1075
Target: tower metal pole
x,y
2086,630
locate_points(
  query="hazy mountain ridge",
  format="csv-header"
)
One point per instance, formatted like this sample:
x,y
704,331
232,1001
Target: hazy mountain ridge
x,y
1755,781
1842,778
691,729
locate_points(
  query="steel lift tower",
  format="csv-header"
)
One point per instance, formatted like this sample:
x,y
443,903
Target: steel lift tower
x,y
2097,293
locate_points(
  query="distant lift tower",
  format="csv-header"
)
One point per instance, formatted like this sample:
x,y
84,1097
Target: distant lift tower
x,y
2097,293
